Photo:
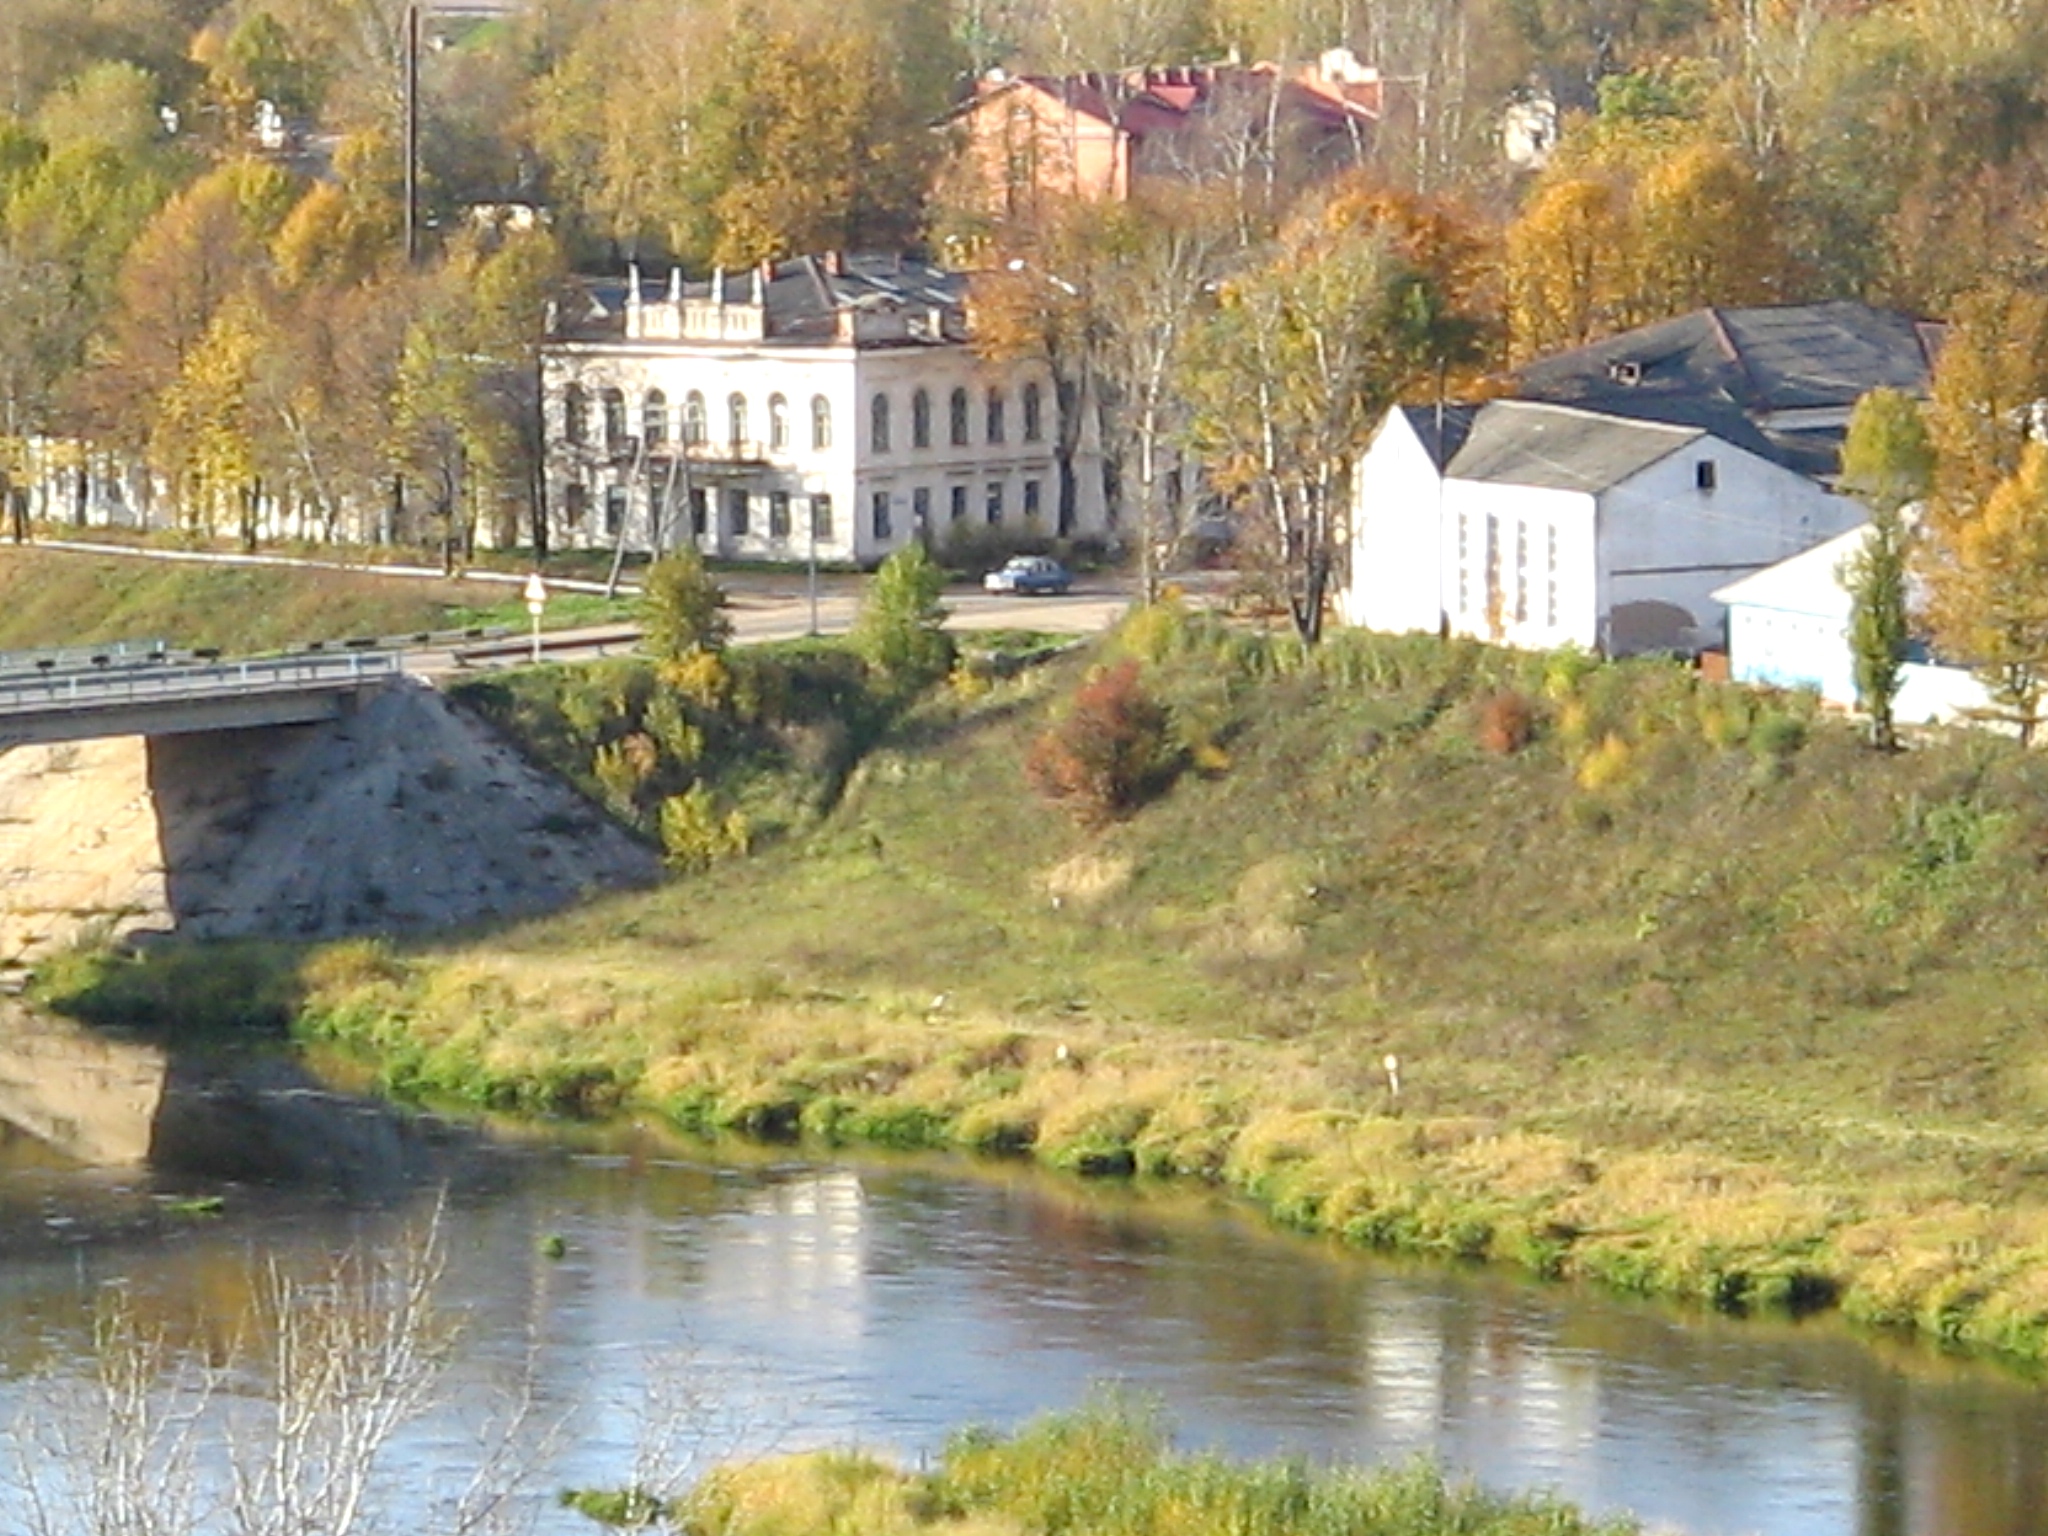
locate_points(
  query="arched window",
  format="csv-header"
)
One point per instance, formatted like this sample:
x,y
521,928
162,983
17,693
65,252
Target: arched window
x,y
736,419
575,414
694,428
921,419
878,424
614,417
821,422
956,418
1034,414
654,419
778,424
995,415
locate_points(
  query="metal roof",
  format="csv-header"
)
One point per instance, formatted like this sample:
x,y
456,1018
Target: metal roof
x,y
1554,447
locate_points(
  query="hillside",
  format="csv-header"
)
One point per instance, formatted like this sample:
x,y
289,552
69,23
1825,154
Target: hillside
x,y
55,597
1688,992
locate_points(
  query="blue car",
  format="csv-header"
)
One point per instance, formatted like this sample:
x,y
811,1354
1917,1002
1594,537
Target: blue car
x,y
1029,576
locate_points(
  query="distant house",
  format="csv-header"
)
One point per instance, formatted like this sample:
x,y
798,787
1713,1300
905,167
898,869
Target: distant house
x,y
1788,627
1778,380
1542,525
828,405
1103,135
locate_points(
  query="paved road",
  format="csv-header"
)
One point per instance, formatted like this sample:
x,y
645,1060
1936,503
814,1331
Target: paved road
x,y
781,611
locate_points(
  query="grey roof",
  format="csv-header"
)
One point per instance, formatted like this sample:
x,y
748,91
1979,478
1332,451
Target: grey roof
x,y
1713,366
1521,442
802,294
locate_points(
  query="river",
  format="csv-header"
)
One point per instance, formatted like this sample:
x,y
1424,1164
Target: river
x,y
775,1301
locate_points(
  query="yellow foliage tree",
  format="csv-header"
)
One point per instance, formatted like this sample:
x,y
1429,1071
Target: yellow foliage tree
x,y
1992,375
1987,590
1567,269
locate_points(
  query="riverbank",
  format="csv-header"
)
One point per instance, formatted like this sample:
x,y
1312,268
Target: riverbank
x,y
1688,992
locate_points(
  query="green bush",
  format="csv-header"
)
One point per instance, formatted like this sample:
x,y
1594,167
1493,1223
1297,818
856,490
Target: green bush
x,y
693,833
899,631
682,608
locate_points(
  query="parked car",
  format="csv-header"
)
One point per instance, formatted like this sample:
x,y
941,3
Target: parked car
x,y
1029,576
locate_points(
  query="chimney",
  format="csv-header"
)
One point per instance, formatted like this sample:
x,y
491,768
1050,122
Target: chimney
x,y
757,290
835,264
675,285
718,286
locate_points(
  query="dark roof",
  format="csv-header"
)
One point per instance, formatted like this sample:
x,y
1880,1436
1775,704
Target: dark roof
x,y
1520,442
1714,365
802,295
1441,429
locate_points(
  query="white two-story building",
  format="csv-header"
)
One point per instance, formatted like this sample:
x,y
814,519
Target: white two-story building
x,y
822,406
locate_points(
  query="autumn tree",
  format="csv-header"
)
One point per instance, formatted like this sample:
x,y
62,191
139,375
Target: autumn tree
x,y
1987,591
1989,385
1888,463
1293,367
1567,267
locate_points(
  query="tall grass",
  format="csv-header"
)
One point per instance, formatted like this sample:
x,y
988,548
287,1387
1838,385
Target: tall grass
x,y
1108,1470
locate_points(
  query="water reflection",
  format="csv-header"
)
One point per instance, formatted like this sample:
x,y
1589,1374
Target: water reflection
x,y
886,1304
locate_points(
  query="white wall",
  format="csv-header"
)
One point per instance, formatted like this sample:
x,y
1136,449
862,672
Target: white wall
x,y
1527,526
1396,579
1663,539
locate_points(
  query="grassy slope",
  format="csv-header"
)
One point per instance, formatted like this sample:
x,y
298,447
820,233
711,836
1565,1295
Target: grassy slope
x,y
52,597
1689,995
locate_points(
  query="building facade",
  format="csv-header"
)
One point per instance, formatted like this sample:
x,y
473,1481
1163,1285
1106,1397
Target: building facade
x,y
822,407
1538,526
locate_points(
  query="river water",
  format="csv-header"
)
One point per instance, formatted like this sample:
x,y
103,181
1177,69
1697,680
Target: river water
x,y
774,1301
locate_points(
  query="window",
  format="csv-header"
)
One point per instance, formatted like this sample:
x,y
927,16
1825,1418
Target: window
x,y
694,429
778,424
736,511
1550,566
575,498
614,417
778,514
1521,572
1492,587
957,503
995,416
878,424
821,517
1464,593
654,419
575,414
921,419
1031,500
821,422
736,419
700,510
1034,414
880,511
921,508
1704,474
614,510
995,501
956,418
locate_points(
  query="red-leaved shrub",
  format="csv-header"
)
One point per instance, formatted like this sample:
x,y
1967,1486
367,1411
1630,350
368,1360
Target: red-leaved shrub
x,y
1507,722
1109,752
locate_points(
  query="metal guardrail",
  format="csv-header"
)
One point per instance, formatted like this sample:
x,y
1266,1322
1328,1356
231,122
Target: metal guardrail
x,y
178,684
77,658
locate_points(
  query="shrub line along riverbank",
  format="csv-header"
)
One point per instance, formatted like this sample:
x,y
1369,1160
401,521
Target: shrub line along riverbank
x,y
1691,994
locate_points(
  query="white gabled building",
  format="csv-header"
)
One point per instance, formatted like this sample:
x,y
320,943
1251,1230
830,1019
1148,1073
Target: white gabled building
x,y
1544,525
831,397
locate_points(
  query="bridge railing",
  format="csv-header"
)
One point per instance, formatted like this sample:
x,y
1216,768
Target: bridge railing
x,y
278,674
80,658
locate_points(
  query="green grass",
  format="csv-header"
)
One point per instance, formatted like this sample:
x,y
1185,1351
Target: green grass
x,y
1693,994
1109,1470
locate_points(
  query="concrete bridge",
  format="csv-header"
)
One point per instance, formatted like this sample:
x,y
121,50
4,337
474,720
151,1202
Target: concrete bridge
x,y
149,694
